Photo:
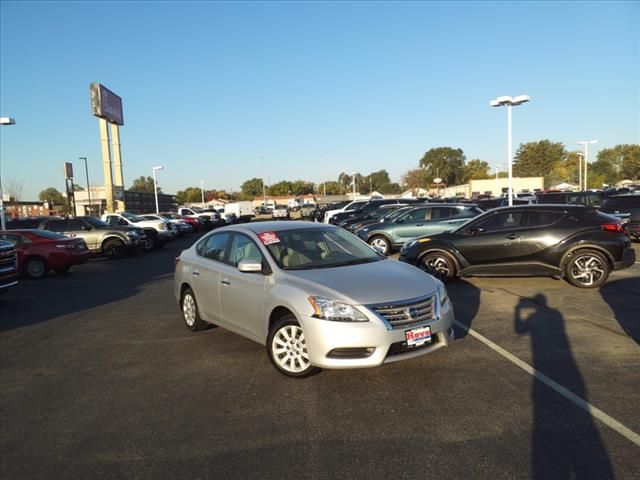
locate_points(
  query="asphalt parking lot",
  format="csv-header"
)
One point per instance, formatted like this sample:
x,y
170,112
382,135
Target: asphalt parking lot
x,y
99,377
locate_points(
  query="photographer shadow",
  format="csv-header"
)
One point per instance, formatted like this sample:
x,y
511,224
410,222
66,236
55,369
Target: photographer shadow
x,y
465,297
623,297
566,442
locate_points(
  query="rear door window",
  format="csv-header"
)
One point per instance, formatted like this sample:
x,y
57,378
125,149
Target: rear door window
x,y
75,225
416,215
56,225
214,247
438,213
543,218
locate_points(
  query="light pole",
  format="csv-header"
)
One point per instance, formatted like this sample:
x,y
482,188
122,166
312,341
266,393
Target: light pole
x,y
86,170
202,182
3,121
155,186
586,144
580,156
509,102
264,190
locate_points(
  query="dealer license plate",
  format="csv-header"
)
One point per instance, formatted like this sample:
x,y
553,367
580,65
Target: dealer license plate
x,y
418,336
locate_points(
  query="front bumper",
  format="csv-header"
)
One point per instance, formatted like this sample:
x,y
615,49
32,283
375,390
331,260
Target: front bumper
x,y
8,279
628,259
336,345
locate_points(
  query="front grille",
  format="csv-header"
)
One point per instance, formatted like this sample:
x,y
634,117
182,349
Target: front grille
x,y
398,348
407,313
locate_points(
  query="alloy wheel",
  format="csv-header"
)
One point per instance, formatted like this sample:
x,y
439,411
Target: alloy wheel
x,y
437,265
587,270
189,310
380,243
36,268
289,349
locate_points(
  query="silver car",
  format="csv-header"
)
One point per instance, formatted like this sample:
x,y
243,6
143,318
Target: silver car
x,y
315,295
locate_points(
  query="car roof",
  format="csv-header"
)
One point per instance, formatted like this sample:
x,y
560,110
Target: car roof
x,y
544,206
260,227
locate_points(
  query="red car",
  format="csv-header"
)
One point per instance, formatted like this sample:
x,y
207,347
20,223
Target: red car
x,y
193,221
41,250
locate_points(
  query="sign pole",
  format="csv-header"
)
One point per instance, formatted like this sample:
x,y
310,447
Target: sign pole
x,y
106,164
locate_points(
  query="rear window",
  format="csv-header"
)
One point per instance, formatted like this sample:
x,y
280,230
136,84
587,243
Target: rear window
x,y
541,218
49,235
621,203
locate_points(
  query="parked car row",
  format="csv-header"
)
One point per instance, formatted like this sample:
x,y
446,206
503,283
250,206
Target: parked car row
x,y
43,244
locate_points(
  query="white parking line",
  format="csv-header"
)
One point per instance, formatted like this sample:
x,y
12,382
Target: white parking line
x,y
580,402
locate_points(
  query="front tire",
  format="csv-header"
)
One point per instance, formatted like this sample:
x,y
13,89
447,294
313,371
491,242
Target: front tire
x,y
151,243
190,312
381,243
587,269
287,349
36,267
439,264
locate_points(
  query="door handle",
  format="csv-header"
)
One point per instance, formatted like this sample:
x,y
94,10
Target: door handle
x,y
196,273
225,282
419,224
513,236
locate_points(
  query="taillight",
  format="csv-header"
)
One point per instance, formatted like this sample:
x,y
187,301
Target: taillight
x,y
65,246
612,227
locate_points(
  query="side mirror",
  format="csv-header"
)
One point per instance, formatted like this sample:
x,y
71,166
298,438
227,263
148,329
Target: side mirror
x,y
249,265
474,230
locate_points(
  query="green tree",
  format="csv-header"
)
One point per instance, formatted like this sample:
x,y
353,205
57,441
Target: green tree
x,y
446,163
53,196
536,159
476,169
280,189
331,188
189,195
417,178
251,189
624,160
301,187
143,184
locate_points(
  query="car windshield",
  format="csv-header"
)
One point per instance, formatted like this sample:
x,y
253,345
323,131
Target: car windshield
x,y
49,235
197,210
96,222
314,248
132,218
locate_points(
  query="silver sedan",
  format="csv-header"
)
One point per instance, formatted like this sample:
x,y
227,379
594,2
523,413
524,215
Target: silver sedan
x,y
315,295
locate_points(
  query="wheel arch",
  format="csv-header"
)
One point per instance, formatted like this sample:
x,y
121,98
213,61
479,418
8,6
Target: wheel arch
x,y
585,246
276,314
112,236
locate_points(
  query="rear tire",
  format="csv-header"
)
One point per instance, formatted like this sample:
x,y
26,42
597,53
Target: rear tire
x,y
190,312
382,243
113,248
587,269
287,349
439,265
36,267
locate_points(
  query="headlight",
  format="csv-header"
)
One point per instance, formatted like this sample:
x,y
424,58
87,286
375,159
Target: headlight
x,y
162,226
132,233
335,311
442,292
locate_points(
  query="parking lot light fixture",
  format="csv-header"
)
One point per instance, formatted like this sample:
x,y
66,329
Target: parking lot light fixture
x,y
585,144
509,102
155,186
3,225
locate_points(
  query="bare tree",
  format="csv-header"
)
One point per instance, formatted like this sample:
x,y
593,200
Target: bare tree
x,y
13,187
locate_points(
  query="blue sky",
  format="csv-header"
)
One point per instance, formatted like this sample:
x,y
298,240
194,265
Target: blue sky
x,y
315,87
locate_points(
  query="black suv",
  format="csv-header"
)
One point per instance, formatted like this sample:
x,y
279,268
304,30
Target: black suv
x,y
575,242
627,209
593,199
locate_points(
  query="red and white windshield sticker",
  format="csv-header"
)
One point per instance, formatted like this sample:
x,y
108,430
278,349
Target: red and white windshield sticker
x,y
268,238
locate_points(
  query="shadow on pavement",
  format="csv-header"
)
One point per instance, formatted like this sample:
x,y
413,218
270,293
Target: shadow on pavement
x,y
566,443
465,297
97,283
623,296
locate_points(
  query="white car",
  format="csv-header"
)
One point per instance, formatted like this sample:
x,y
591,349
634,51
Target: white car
x,y
347,208
157,232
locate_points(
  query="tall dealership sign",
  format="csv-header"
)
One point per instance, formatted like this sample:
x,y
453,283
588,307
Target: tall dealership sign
x,y
107,106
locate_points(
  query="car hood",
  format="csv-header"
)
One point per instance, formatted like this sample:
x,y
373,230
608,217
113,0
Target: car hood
x,y
368,283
